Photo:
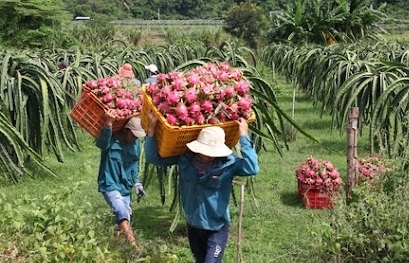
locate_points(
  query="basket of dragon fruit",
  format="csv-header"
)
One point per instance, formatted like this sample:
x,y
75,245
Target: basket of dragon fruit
x,y
185,103
100,95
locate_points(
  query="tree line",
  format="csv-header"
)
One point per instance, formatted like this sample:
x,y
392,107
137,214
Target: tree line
x,y
186,9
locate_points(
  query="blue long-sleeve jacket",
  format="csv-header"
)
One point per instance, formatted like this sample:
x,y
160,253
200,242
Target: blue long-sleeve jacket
x,y
205,198
119,165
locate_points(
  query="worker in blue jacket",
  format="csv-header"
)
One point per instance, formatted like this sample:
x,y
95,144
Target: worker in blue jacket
x,y
119,169
205,182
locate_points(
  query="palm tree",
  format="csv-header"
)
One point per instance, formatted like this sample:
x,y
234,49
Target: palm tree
x,y
325,22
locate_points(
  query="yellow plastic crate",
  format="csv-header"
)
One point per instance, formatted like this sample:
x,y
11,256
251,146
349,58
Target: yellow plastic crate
x,y
172,140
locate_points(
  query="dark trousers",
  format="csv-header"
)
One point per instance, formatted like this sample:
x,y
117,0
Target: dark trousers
x,y
208,246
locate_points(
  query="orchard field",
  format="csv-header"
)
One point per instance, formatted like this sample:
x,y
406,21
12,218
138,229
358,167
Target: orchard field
x,y
302,87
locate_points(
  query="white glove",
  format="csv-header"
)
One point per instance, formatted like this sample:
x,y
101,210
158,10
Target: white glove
x,y
140,192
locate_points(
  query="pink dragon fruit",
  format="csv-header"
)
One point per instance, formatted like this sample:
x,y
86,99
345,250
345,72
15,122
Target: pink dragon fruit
x,y
229,92
92,84
319,173
181,111
164,107
244,103
207,106
194,109
189,121
222,76
190,95
107,98
207,79
206,89
193,79
200,119
161,78
164,91
242,87
156,100
173,98
121,103
179,84
236,74
171,119
224,66
153,89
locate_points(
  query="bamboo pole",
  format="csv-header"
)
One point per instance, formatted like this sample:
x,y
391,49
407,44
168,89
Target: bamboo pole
x,y
352,141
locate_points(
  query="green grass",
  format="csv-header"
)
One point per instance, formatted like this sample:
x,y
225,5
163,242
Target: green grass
x,y
275,224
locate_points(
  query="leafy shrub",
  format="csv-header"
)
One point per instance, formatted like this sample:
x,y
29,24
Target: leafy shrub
x,y
50,229
55,229
372,228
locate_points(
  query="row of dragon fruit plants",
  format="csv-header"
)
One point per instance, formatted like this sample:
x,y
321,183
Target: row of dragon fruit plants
x,y
371,76
38,97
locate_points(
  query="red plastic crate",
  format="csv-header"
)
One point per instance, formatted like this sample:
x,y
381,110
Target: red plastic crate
x,y
89,112
316,197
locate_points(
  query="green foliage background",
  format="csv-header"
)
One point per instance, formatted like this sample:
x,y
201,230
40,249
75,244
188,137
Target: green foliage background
x,y
177,9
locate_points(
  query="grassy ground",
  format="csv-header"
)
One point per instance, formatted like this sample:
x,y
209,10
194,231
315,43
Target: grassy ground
x,y
275,224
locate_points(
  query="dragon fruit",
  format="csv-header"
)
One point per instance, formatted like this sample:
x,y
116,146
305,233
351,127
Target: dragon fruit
x,y
173,97
108,97
207,106
117,93
242,87
181,111
193,79
212,93
319,173
190,95
195,109
171,119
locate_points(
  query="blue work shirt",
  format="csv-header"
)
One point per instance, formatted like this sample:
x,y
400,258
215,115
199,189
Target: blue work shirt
x,y
151,79
119,165
205,198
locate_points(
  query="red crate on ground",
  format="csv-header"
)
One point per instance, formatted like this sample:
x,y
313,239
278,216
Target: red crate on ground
x,y
316,197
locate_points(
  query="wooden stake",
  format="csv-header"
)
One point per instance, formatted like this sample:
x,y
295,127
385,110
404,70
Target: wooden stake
x,y
352,141
239,256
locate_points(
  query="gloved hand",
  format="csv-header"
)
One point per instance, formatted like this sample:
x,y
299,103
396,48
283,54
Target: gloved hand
x,y
140,192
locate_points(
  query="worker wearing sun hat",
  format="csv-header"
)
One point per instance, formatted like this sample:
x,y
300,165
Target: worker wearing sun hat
x,y
205,180
126,72
119,169
210,142
152,70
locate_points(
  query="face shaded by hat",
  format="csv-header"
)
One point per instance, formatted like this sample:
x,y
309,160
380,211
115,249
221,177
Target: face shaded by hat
x,y
126,71
62,64
210,142
152,68
134,124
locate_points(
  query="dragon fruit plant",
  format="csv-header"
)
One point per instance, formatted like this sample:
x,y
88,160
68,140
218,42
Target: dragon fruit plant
x,y
318,173
117,93
213,93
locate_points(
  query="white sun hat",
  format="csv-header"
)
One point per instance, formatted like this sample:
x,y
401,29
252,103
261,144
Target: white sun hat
x,y
210,142
152,68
